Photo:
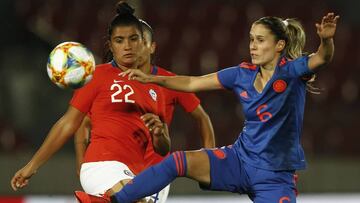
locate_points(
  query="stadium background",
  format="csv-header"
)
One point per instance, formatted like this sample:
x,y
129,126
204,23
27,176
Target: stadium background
x,y
194,37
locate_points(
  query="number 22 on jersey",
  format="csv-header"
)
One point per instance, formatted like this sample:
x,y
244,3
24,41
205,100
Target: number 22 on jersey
x,y
116,98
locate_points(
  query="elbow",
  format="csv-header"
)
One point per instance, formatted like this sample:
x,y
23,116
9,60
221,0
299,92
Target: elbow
x,y
163,147
328,58
163,150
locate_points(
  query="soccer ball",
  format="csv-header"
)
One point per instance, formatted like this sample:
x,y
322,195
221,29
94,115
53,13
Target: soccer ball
x,y
70,64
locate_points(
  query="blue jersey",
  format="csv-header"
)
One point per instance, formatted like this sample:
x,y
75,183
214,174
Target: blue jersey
x,y
273,118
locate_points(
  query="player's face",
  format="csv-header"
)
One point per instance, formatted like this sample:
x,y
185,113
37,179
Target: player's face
x,y
125,44
147,49
263,49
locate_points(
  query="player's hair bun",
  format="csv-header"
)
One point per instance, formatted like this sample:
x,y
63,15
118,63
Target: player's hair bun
x,y
123,8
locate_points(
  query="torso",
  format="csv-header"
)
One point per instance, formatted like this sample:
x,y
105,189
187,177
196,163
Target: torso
x,y
117,132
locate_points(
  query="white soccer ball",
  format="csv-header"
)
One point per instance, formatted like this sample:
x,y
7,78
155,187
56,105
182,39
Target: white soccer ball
x,y
70,64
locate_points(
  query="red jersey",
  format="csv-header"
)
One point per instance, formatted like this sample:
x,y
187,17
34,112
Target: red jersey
x,y
188,101
116,104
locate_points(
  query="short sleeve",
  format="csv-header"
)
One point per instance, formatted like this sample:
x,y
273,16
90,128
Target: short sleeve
x,y
227,77
299,67
83,98
188,101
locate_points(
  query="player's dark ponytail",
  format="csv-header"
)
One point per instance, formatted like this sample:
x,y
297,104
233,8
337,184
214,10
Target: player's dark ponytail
x,y
122,8
124,17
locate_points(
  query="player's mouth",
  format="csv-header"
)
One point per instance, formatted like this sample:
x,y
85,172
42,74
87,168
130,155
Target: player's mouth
x,y
129,55
253,55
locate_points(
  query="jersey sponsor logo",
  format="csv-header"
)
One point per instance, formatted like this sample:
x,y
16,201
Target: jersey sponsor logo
x,y
220,154
153,94
279,86
128,173
244,94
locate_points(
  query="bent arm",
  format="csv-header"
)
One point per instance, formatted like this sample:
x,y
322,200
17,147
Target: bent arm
x,y
326,31
161,142
159,133
81,141
323,55
205,125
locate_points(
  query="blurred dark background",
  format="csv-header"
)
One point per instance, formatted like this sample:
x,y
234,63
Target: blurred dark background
x,y
193,38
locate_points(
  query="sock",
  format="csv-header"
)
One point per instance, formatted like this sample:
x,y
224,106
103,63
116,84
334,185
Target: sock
x,y
153,179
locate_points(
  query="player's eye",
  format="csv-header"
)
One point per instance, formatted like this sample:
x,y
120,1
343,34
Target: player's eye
x,y
119,40
134,38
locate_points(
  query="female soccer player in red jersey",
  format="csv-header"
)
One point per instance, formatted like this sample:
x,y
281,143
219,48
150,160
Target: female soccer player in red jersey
x,y
271,89
188,101
118,108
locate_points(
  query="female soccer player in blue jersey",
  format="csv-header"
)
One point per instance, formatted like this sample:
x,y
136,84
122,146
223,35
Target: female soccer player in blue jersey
x,y
271,89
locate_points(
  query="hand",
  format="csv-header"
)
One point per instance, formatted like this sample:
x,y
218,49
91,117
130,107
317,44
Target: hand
x,y
326,29
135,74
154,124
21,178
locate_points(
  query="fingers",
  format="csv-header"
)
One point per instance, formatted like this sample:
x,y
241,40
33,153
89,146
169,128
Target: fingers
x,y
134,74
18,182
153,123
330,18
148,117
14,183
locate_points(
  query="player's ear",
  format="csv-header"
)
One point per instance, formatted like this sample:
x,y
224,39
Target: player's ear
x,y
153,47
280,45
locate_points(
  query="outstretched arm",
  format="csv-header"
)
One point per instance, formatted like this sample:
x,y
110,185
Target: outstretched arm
x,y
62,130
326,31
180,83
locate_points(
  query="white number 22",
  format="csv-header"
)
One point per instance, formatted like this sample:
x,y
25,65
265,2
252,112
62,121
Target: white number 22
x,y
119,90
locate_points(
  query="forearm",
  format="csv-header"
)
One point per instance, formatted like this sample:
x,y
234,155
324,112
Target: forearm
x,y
56,138
180,83
207,132
326,50
188,83
81,143
161,143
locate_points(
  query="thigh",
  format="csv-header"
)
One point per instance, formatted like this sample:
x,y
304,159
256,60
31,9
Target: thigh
x,y
97,177
226,171
198,166
272,186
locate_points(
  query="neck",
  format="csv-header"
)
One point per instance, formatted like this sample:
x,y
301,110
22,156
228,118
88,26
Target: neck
x,y
146,67
271,65
124,67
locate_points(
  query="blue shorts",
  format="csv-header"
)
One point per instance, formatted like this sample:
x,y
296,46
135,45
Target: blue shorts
x,y
229,173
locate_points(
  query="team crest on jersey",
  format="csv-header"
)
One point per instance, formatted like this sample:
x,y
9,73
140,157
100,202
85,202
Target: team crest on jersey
x,y
279,86
129,173
153,94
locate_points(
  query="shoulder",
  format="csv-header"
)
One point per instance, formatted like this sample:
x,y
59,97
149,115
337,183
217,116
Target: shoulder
x,y
103,68
247,66
162,71
242,68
